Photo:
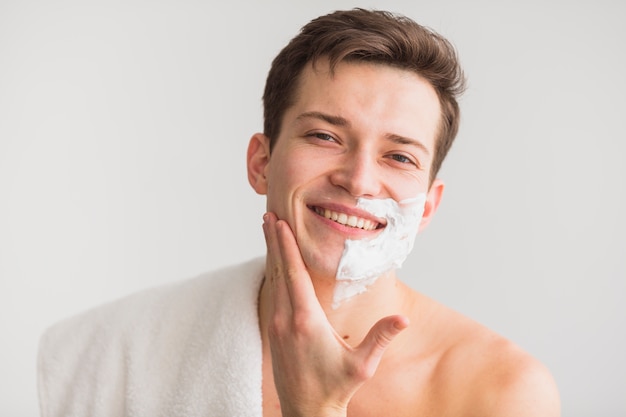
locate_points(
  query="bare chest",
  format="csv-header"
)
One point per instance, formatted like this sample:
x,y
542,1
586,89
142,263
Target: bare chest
x,y
392,391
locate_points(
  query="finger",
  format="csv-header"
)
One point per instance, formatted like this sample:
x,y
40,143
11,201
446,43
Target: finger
x,y
297,278
378,340
271,239
274,270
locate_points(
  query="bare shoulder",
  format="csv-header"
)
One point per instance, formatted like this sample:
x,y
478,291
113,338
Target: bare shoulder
x,y
523,387
480,373
513,383
499,377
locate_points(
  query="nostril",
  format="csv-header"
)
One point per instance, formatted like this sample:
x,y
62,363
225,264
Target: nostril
x,y
358,179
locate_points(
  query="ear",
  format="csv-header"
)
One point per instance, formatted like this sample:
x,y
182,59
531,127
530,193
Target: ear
x,y
433,198
258,158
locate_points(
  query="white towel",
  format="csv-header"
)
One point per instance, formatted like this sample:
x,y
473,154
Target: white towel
x,y
188,349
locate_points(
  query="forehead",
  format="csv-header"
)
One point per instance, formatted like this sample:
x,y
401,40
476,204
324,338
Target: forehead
x,y
372,97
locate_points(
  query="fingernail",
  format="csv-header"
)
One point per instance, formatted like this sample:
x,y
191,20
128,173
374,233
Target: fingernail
x,y
266,218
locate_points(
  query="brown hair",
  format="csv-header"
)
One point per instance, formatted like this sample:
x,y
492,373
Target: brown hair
x,y
370,36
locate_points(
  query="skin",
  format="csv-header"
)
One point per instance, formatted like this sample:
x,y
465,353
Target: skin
x,y
367,131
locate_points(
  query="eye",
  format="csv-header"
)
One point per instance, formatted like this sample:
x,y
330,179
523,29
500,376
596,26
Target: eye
x,y
402,159
323,136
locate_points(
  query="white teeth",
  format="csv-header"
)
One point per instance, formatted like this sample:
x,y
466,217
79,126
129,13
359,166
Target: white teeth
x,y
352,220
343,218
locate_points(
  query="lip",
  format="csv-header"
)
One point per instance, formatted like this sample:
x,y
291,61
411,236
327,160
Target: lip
x,y
350,211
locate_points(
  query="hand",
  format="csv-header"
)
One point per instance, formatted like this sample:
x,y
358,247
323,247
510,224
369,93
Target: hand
x,y
315,372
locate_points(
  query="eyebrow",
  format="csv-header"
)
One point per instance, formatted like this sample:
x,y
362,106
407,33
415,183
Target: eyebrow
x,y
333,120
343,122
401,140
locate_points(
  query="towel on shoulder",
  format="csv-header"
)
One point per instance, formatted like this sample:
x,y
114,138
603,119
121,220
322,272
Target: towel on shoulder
x,y
187,349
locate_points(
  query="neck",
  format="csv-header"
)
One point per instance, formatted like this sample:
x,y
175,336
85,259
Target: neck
x,y
353,317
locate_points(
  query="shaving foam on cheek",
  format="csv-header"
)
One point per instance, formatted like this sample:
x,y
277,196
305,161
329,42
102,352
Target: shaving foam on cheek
x,y
363,261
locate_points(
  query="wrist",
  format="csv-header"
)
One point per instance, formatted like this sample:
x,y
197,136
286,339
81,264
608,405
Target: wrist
x,y
322,411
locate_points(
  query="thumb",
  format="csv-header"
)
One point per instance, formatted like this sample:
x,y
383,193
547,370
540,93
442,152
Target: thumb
x,y
378,339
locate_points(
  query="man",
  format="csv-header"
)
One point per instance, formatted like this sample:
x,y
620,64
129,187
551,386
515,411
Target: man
x,y
360,111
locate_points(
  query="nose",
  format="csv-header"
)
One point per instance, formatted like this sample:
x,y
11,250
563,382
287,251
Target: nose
x,y
358,173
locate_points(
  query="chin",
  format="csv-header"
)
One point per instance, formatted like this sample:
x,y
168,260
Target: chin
x,y
321,266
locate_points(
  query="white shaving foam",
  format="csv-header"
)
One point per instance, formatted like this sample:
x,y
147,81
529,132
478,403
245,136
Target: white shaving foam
x,y
364,260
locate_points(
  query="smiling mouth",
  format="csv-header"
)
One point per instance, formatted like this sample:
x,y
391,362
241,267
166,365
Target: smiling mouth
x,y
347,219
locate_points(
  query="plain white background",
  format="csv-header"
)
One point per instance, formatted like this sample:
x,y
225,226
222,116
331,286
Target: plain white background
x,y
123,128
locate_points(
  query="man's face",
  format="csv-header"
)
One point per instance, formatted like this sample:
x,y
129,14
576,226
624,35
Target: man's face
x,y
368,131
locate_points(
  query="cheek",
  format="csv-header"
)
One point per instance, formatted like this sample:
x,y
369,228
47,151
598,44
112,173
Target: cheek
x,y
405,185
282,183
291,172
